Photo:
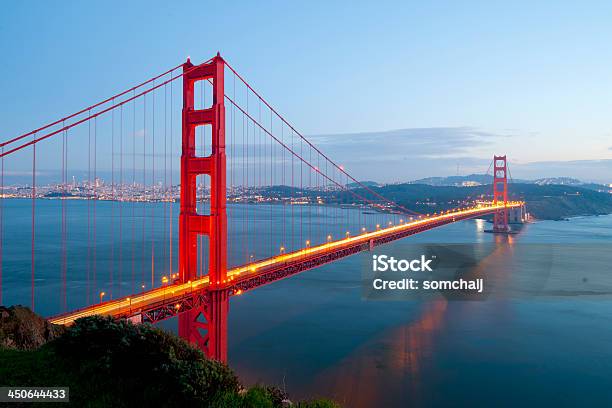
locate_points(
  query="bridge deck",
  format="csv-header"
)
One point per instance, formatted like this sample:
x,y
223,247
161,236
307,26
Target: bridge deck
x,y
167,301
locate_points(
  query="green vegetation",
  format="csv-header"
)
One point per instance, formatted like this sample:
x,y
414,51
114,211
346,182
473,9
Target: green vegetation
x,y
113,363
545,202
23,330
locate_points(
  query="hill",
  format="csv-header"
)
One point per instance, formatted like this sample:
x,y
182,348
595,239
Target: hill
x,y
551,202
363,183
483,179
457,181
114,363
544,201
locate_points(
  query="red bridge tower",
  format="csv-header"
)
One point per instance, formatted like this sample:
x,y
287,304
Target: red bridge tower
x,y
500,193
211,316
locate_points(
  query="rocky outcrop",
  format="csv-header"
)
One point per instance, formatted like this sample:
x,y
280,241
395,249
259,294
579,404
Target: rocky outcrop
x,y
22,329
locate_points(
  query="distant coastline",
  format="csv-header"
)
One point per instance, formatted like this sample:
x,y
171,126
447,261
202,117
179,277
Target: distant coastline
x,y
544,201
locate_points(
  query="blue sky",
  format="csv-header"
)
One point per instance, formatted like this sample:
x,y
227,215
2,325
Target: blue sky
x,y
450,83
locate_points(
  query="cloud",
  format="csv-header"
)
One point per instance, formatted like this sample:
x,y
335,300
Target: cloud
x,y
18,173
439,142
408,154
599,171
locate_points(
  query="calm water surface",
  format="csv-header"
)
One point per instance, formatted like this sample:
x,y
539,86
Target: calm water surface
x,y
313,335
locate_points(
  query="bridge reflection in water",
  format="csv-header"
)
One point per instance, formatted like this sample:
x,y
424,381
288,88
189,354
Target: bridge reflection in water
x,y
395,367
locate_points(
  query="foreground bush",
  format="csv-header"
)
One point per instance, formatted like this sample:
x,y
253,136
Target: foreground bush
x,y
113,363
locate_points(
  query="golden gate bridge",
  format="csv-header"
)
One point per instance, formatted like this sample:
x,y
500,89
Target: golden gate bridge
x,y
236,151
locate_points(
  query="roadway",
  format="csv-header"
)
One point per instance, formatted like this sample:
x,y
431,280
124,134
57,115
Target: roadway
x,y
274,268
